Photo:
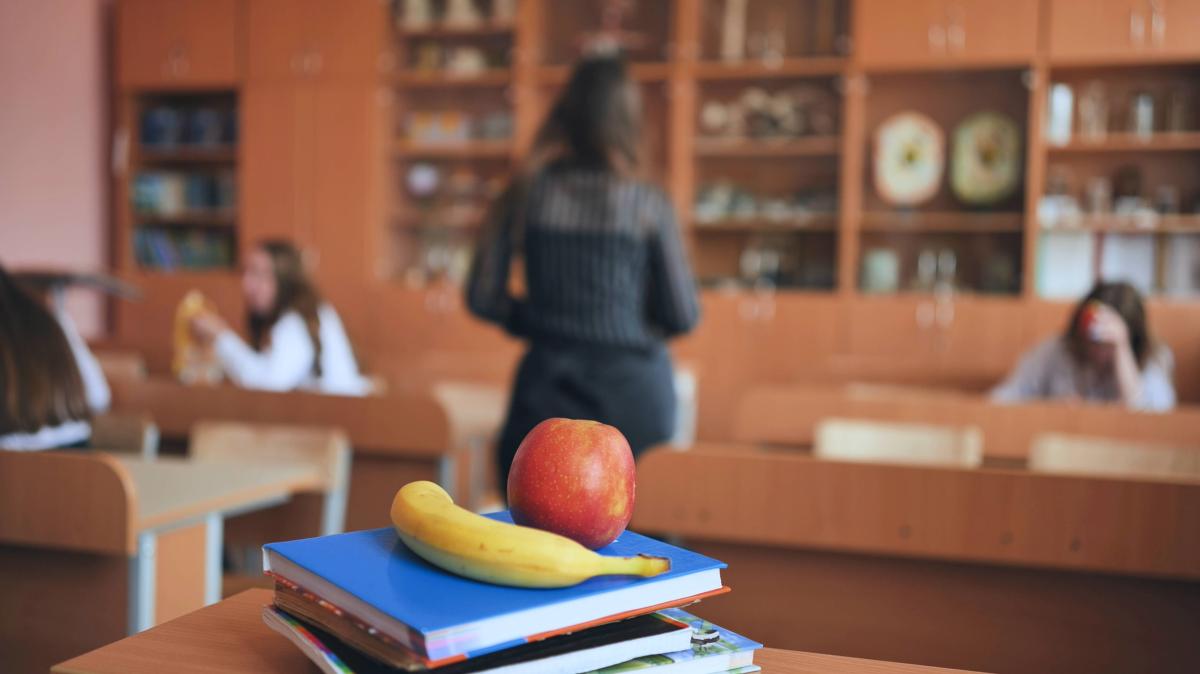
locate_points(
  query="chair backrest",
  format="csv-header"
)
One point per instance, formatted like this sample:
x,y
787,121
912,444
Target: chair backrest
x,y
325,447
1061,453
893,442
80,501
125,434
121,365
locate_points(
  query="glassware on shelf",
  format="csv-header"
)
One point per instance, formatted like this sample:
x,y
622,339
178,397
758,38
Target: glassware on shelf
x,y
1141,114
733,31
1098,195
1060,109
880,271
1180,116
947,269
1093,111
927,269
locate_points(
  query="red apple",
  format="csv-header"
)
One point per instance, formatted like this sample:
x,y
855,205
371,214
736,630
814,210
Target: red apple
x,y
574,478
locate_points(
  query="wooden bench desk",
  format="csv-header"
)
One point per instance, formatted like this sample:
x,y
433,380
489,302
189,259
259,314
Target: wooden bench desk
x,y
973,568
395,438
788,416
106,546
230,637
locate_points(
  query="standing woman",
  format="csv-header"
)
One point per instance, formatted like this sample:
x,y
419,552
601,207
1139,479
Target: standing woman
x,y
50,383
296,340
606,276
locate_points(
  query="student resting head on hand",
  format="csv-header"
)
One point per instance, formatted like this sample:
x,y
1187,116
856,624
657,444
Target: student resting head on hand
x,y
296,340
50,383
1105,355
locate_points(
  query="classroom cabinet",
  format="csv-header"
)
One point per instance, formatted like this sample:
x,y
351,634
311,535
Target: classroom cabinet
x,y
1108,30
321,39
918,33
310,171
171,44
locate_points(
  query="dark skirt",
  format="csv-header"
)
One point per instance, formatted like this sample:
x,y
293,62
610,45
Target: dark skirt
x,y
631,389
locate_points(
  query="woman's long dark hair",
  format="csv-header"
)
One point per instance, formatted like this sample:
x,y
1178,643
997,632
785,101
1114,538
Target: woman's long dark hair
x,y
294,291
596,121
40,383
1126,301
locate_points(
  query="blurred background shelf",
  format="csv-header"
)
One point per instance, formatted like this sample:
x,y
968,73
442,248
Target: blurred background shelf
x,y
185,154
812,146
1128,142
216,219
1129,224
825,222
963,222
493,77
759,70
486,29
480,149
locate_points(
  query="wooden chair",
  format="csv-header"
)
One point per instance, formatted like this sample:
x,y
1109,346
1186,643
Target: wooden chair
x,y
123,365
1082,455
125,434
318,513
67,556
891,442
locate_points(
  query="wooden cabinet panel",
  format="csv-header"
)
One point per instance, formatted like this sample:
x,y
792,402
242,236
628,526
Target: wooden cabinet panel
x,y
978,339
347,37
271,161
341,165
986,31
277,42
325,39
890,328
1097,29
888,32
1176,29
177,43
942,32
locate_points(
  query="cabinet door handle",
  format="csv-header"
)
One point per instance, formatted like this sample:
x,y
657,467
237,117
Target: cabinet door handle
x,y
937,38
1158,23
1137,27
956,33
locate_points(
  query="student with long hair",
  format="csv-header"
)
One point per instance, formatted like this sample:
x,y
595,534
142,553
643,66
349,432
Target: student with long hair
x,y
297,341
1105,355
50,383
606,278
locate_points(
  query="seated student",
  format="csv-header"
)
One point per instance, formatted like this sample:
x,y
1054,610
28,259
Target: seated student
x,y
296,340
50,383
1106,355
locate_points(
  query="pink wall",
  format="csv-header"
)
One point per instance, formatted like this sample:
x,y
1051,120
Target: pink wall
x,y
53,181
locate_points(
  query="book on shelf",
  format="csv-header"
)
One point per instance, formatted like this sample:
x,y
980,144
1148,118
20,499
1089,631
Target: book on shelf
x,y
377,584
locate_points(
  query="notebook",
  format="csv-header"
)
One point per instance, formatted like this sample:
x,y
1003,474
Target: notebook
x,y
335,657
564,654
441,617
713,649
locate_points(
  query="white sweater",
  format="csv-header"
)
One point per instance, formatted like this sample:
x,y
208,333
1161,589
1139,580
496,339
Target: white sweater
x,y
287,362
95,391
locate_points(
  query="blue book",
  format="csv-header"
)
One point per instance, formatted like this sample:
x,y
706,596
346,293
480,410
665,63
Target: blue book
x,y
374,578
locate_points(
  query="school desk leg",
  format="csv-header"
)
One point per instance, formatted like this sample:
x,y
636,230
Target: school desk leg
x,y
141,583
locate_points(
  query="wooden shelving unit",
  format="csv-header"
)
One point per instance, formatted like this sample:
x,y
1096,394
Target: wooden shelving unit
x,y
758,70
492,77
185,154
437,32
813,146
1188,141
467,149
916,222
825,222
1118,224
217,219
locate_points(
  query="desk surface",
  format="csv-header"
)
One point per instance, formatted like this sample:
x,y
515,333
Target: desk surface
x,y
230,637
173,490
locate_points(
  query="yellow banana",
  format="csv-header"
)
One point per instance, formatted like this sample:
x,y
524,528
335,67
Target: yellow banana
x,y
459,541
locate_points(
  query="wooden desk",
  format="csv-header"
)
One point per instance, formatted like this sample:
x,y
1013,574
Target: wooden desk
x,y
105,546
788,415
940,565
230,637
396,438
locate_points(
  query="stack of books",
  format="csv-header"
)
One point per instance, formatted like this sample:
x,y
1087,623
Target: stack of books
x,y
363,602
